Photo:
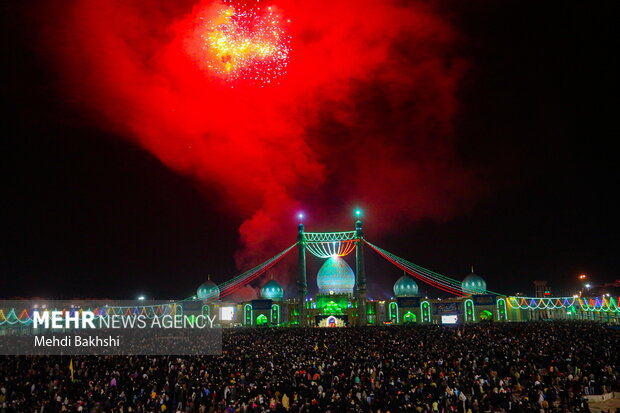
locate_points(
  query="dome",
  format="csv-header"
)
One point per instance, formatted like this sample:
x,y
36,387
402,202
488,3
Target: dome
x,y
335,277
272,291
474,284
208,290
405,286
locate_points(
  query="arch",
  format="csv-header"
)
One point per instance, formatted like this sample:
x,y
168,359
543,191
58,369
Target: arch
x,y
409,318
261,320
332,321
275,314
470,314
501,309
426,312
247,314
393,312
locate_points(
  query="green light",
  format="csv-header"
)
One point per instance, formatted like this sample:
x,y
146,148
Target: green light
x,y
393,312
329,236
247,314
409,317
426,312
358,213
469,310
332,308
261,320
501,309
552,303
275,314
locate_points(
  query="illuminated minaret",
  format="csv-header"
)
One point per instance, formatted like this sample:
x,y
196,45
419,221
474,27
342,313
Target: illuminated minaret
x,y
302,285
360,270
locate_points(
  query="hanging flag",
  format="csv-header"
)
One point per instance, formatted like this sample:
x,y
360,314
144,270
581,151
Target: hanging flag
x,y
71,368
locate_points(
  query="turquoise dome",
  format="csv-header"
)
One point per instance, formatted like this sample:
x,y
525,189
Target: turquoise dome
x,y
335,277
474,284
405,286
272,291
208,290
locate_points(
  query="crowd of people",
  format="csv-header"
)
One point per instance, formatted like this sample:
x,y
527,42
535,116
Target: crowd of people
x,y
511,367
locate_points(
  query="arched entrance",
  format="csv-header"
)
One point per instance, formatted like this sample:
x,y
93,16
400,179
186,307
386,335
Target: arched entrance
x,y
261,320
332,321
409,318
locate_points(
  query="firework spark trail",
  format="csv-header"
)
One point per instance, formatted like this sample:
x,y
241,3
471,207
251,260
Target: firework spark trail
x,y
247,44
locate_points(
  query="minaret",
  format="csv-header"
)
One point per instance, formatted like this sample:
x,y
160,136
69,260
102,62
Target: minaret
x,y
360,271
302,285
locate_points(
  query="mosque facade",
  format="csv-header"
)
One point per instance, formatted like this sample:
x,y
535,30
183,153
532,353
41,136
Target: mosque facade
x,y
341,301
335,304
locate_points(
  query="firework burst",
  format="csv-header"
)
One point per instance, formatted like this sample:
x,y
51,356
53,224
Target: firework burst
x,y
247,43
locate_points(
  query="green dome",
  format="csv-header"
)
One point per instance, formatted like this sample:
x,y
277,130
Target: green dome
x,y
208,290
474,284
405,286
335,277
272,291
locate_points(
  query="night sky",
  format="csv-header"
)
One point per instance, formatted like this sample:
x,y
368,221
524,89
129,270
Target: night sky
x,y
89,211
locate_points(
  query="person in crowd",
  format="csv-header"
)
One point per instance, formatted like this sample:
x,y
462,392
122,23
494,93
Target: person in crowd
x,y
501,367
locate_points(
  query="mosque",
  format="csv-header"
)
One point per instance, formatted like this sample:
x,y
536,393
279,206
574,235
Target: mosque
x,y
335,304
341,298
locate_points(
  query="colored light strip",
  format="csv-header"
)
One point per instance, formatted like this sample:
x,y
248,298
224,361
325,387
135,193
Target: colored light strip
x,y
328,236
437,278
604,304
247,277
331,248
442,279
415,274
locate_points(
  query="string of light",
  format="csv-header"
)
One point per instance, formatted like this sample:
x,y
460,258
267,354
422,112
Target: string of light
x,y
400,263
230,286
149,311
605,304
311,237
331,248
324,245
437,280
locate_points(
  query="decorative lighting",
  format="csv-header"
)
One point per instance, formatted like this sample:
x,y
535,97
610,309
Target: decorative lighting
x,y
330,248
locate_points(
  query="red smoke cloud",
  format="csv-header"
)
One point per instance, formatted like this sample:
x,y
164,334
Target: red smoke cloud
x,y
362,116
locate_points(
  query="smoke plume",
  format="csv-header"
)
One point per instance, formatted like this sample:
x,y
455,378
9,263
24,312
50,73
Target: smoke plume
x,y
363,115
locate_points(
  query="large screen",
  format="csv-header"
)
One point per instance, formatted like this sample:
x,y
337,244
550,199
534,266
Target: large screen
x,y
449,319
227,313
